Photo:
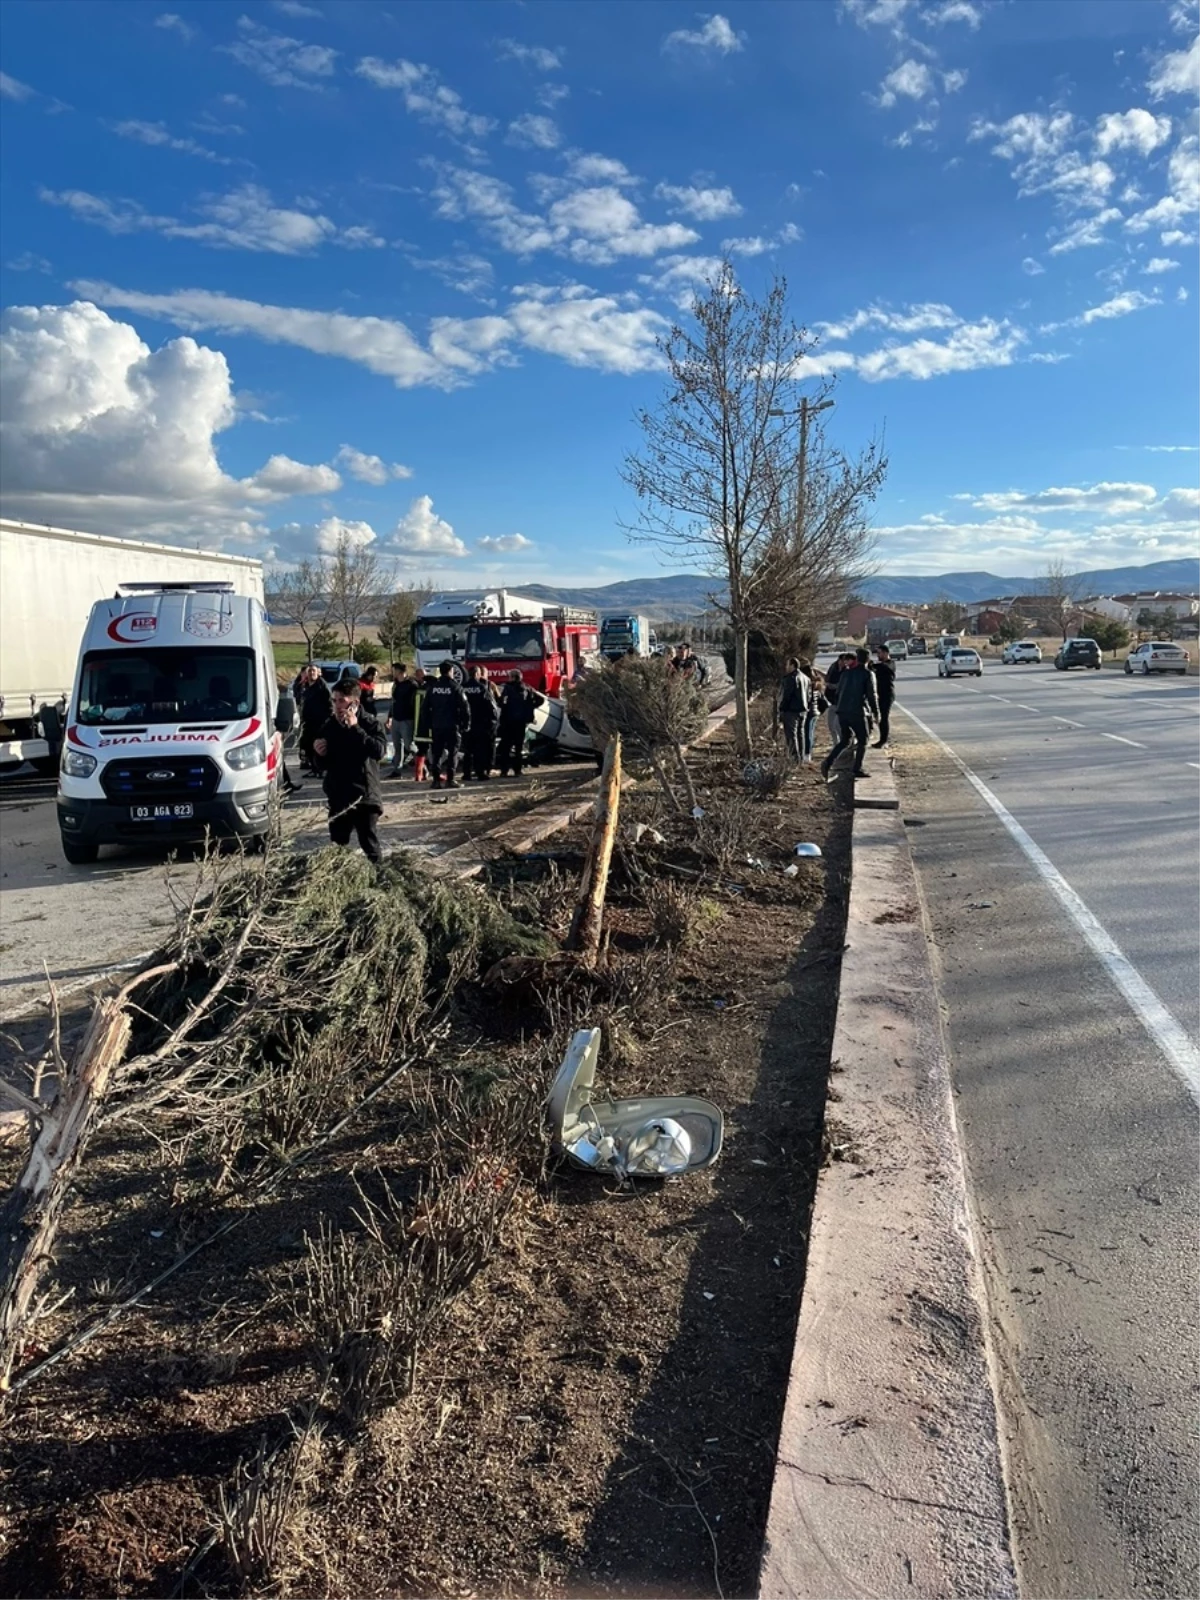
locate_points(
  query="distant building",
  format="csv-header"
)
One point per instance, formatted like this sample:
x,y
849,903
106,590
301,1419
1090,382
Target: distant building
x,y
858,616
1180,606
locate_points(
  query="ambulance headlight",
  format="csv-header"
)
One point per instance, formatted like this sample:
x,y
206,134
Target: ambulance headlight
x,y
247,755
75,764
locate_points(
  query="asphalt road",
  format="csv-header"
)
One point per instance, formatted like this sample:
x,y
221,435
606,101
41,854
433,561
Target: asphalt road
x,y
1077,1117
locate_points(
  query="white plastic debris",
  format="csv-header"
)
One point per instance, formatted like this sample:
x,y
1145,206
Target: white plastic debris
x,y
698,812
643,830
791,872
808,850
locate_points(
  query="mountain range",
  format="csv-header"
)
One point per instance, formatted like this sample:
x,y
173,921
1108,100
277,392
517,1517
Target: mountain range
x,y
685,594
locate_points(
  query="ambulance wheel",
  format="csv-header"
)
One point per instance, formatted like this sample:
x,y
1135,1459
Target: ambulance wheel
x,y
79,852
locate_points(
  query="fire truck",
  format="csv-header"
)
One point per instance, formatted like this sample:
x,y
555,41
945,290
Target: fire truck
x,y
548,651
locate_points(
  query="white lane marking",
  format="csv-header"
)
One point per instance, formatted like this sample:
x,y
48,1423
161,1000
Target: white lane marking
x,y
1195,764
1120,740
1068,722
1003,697
1158,1022
1020,707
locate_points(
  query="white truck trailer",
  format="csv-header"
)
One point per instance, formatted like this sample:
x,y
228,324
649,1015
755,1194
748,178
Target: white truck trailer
x,y
49,580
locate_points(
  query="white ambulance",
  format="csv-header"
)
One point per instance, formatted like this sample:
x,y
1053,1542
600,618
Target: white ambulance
x,y
172,731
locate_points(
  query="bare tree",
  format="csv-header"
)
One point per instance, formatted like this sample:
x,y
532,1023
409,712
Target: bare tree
x,y
821,539
298,595
1062,589
946,612
709,476
357,580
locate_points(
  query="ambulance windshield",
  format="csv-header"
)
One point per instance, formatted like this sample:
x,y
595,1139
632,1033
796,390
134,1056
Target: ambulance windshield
x,y
145,686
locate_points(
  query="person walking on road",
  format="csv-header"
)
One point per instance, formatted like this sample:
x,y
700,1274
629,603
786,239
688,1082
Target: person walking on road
x,y
449,718
516,713
856,702
793,700
350,746
402,720
479,747
885,691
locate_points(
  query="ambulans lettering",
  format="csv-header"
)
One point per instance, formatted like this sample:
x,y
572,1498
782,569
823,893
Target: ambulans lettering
x,y
159,738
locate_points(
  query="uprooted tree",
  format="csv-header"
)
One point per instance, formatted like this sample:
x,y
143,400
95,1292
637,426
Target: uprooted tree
x,y
715,472
655,711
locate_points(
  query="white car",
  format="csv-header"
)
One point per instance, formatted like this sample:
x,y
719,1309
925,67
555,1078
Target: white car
x,y
1158,657
898,649
1021,650
960,663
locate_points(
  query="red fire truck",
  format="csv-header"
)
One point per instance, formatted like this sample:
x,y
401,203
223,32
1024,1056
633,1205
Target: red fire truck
x,y
547,650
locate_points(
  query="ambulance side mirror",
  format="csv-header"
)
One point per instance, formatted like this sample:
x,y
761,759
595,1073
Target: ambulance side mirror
x,y
285,713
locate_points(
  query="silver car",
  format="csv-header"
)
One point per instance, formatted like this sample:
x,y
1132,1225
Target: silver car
x,y
960,664
1158,657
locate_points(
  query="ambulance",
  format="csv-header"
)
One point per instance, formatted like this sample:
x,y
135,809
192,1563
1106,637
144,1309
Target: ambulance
x,y
173,728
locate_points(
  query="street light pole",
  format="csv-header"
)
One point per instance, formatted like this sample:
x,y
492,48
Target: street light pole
x,y
805,412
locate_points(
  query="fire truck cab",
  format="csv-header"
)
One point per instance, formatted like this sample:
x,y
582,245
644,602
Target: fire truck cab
x,y
548,651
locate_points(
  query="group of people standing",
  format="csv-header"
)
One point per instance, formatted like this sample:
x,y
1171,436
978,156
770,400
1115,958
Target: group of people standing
x,y
432,721
852,693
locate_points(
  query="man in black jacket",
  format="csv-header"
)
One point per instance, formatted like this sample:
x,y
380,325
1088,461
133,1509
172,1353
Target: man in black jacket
x,y
402,721
449,717
316,708
350,746
479,747
885,691
517,707
855,700
795,696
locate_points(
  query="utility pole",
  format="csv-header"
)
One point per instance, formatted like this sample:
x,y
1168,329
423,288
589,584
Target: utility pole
x,y
806,410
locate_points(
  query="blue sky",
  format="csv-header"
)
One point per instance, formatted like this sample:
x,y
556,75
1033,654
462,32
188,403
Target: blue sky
x,y
273,269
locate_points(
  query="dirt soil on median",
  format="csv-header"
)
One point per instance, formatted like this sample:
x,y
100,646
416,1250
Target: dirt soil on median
x,y
599,1413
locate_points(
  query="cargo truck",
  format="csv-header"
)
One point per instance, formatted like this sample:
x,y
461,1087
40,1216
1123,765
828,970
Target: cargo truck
x,y
49,580
622,633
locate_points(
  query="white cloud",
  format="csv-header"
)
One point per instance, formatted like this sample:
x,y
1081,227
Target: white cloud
x,y
243,219
505,544
284,62
584,168
1086,232
756,245
368,468
1121,305
917,319
1131,130
281,477
100,431
14,89
953,11
953,81
175,24
716,35
986,343
1178,72
157,133
1182,200
296,8
1030,136
1110,499
426,96
877,13
1159,264
531,55
681,276
704,204
28,262
534,132
1032,267
421,533
584,329
913,79
549,94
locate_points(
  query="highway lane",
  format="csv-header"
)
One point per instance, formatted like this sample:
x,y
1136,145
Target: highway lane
x,y
1102,772
1079,1130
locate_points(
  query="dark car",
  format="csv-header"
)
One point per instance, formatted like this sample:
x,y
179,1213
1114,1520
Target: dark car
x,y
916,646
1078,653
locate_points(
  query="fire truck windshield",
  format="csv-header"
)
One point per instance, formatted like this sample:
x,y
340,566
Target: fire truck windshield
x,y
504,640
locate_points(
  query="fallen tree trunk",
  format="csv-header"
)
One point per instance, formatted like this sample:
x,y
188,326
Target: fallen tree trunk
x,y
30,1217
589,911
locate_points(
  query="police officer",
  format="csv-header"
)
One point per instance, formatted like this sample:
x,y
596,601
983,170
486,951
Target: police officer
x,y
517,707
479,747
449,717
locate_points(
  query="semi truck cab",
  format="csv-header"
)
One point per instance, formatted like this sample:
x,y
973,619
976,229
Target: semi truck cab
x,y
171,727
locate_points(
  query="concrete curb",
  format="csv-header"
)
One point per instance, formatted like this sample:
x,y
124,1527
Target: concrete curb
x,y
520,834
888,1477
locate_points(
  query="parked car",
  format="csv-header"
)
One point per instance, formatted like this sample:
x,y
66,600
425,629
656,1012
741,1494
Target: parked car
x,y
917,645
960,663
1021,650
1078,653
898,649
1158,657
332,671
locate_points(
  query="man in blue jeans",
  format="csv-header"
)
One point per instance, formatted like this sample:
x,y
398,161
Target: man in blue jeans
x,y
856,700
795,697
